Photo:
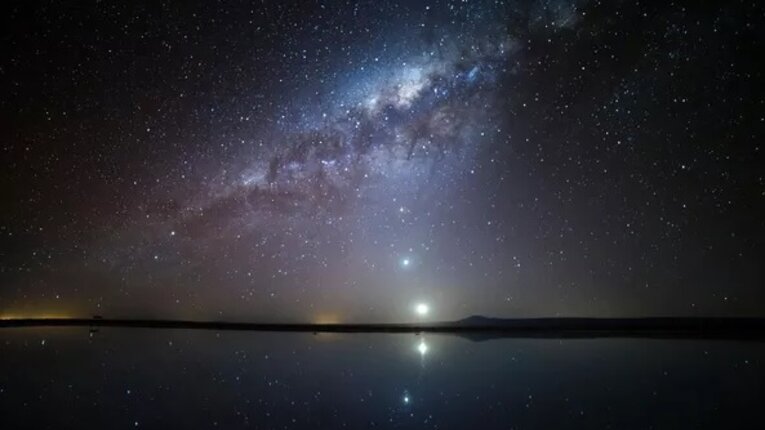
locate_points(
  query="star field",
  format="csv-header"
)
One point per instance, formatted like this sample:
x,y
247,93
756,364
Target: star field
x,y
348,161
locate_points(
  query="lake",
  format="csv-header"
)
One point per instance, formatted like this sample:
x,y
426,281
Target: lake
x,y
168,378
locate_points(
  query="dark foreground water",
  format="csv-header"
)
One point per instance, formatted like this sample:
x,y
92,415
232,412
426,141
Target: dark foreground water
x,y
144,378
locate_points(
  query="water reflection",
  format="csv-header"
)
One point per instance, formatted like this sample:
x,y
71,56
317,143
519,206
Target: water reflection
x,y
116,378
422,347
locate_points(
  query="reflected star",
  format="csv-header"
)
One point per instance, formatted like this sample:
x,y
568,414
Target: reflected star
x,y
422,348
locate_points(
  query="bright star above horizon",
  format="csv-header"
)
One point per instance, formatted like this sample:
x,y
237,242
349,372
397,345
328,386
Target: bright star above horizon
x,y
422,309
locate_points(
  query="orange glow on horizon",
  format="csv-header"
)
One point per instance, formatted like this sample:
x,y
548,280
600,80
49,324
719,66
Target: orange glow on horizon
x,y
327,318
35,315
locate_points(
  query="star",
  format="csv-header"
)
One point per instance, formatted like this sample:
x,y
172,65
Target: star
x,y
422,309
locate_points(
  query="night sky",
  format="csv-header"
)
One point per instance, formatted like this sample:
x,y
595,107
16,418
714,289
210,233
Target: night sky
x,y
342,161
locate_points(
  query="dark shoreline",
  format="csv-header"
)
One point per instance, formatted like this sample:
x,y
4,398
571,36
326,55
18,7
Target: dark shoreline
x,y
722,328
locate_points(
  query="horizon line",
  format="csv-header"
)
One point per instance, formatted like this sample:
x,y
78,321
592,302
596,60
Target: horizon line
x,y
676,327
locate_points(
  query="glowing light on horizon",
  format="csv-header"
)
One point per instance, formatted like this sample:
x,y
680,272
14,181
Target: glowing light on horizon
x,y
31,316
327,318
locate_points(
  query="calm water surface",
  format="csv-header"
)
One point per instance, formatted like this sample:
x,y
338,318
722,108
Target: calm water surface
x,y
144,378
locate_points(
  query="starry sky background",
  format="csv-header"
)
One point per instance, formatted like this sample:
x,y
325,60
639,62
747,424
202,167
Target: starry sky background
x,y
340,161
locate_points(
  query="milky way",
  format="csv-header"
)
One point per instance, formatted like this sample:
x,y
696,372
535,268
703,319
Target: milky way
x,y
409,121
344,161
